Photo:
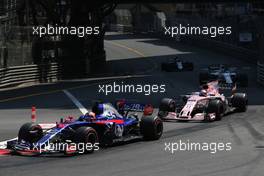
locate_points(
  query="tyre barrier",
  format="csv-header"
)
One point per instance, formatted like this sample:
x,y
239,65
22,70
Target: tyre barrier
x,y
260,77
16,75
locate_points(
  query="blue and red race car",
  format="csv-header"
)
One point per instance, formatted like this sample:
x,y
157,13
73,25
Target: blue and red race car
x,y
103,126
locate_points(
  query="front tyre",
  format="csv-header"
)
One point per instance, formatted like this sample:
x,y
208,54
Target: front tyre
x,y
166,105
30,132
151,127
215,107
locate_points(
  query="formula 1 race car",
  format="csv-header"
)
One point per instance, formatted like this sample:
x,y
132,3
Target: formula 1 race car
x,y
103,126
227,76
176,64
206,105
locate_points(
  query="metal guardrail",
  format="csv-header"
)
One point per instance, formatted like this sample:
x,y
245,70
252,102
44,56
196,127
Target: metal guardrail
x,y
29,74
260,76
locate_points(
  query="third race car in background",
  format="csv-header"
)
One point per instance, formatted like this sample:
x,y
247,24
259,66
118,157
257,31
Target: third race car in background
x,y
227,76
206,105
176,65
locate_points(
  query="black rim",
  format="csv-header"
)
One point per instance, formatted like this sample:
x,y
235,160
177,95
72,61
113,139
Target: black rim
x,y
91,138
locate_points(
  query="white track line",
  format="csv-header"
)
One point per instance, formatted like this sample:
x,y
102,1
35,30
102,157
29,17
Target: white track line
x,y
76,102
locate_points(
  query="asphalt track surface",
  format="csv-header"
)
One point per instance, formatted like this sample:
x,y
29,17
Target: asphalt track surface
x,y
138,54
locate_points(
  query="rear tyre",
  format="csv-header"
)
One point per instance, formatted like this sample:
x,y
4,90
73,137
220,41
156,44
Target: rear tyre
x,y
240,102
216,107
151,127
30,132
88,137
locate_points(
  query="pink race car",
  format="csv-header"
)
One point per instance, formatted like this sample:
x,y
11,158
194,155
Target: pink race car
x,y
206,105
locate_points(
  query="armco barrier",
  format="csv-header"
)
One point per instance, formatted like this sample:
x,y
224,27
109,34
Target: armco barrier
x,y
29,74
260,73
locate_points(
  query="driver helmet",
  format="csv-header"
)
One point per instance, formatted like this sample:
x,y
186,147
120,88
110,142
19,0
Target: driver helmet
x,y
91,114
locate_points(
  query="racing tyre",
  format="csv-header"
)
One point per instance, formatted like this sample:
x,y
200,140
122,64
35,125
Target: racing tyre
x,y
188,66
242,80
166,105
151,127
87,136
215,106
166,67
240,102
30,132
203,78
